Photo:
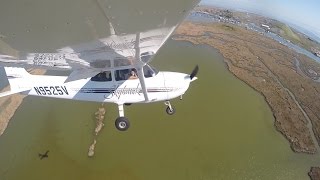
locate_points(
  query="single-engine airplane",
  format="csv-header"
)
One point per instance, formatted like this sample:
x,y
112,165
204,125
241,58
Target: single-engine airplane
x,y
107,44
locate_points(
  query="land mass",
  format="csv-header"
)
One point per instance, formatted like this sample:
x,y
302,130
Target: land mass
x,y
260,23
272,69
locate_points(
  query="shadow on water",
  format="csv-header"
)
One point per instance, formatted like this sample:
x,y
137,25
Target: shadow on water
x,y
222,130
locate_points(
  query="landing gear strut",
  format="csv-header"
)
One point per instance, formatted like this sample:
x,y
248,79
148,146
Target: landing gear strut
x,y
122,123
170,109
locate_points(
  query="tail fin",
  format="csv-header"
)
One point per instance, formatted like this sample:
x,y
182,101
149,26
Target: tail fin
x,y
16,77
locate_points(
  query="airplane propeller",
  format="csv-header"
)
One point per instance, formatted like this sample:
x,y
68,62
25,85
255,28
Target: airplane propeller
x,y
194,72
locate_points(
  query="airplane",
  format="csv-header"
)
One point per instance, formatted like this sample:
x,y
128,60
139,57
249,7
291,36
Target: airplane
x,y
108,48
45,155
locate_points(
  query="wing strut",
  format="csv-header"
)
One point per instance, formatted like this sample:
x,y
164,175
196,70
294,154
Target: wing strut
x,y
143,84
140,67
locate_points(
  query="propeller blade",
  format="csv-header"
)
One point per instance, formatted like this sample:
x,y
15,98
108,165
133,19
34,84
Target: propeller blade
x,y
194,72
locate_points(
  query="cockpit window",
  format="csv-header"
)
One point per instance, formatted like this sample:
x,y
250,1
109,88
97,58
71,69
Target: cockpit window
x,y
103,76
149,71
126,74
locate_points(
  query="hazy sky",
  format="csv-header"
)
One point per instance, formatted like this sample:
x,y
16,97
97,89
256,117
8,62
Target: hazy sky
x,y
305,13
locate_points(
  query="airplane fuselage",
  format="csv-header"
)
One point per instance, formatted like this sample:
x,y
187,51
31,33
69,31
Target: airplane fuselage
x,y
161,87
123,86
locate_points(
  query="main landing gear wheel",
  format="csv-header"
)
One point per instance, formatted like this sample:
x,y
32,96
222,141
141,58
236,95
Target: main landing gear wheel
x,y
122,123
170,111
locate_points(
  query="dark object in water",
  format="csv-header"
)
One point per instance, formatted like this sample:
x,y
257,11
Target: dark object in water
x,y
45,155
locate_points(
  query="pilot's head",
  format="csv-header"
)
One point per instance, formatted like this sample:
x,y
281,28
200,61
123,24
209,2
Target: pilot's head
x,y
132,72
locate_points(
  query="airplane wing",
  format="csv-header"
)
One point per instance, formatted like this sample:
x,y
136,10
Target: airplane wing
x,y
86,34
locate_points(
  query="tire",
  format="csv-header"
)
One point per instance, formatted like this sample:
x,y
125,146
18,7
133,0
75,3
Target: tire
x,y
122,123
170,111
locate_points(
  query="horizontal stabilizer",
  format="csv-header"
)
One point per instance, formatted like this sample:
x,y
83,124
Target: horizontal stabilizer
x,y
12,92
82,74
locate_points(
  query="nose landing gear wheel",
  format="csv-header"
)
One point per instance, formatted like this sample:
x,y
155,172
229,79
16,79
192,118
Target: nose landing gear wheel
x,y
171,110
122,123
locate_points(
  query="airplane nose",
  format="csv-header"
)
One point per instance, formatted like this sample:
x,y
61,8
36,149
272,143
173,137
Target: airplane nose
x,y
194,72
189,78
193,79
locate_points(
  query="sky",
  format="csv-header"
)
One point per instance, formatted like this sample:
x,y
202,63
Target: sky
x,y
303,13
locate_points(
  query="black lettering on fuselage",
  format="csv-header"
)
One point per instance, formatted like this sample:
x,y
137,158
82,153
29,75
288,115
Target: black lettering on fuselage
x,y
42,90
59,90
51,90
47,90
37,90
64,90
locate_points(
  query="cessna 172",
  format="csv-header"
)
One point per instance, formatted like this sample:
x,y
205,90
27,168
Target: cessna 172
x,y
107,45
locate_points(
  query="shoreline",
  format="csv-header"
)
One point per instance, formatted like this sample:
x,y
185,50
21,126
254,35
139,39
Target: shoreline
x,y
311,121
227,63
245,71
273,112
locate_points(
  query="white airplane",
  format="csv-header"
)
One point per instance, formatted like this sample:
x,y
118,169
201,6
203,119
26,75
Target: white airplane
x,y
108,65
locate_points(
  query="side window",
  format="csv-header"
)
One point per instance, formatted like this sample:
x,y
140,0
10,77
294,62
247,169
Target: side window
x,y
102,77
126,74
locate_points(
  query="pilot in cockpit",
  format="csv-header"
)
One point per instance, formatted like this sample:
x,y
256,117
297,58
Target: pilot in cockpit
x,y
108,76
133,74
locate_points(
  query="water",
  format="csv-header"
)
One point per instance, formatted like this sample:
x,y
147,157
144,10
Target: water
x,y
222,130
285,42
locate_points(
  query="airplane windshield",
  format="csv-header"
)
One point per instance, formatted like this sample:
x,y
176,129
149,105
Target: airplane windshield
x,y
149,71
146,56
